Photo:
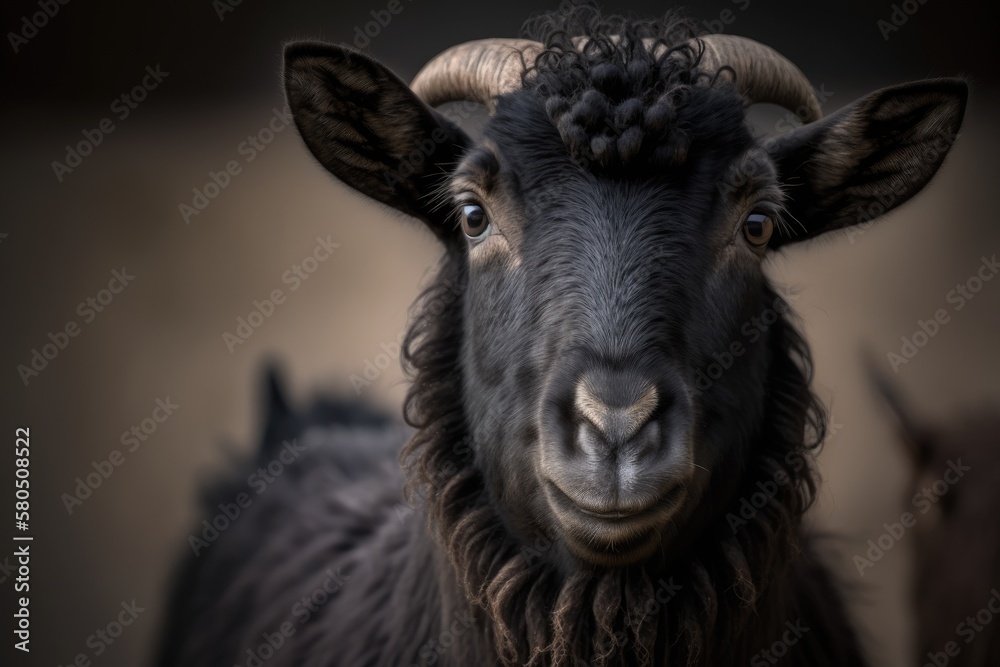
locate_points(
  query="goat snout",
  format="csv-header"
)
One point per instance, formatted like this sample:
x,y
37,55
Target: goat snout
x,y
615,418
615,423
616,456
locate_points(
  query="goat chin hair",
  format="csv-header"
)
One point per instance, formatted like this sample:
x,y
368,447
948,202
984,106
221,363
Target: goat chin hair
x,y
539,615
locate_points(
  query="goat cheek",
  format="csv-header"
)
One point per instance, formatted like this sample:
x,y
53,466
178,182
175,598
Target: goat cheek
x,y
486,351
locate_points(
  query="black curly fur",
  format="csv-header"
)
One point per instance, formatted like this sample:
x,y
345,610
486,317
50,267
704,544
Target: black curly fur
x,y
620,105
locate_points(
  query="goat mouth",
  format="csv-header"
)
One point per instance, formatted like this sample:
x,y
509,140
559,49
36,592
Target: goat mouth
x,y
613,537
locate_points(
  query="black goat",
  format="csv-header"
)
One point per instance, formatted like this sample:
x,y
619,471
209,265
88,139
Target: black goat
x,y
614,430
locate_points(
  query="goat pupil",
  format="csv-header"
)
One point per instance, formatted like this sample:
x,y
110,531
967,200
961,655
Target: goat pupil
x,y
757,228
474,220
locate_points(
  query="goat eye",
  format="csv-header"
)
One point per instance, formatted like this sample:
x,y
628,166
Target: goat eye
x,y
757,229
475,222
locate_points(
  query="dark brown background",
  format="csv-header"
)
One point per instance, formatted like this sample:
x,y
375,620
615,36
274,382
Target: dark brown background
x,y
163,335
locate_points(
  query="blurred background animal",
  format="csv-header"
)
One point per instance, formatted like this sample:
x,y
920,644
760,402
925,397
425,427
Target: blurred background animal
x,y
955,497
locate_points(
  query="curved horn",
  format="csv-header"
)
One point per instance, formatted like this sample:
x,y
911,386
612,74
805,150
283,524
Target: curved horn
x,y
762,74
484,69
479,71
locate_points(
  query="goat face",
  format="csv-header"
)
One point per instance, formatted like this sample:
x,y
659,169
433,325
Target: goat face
x,y
594,304
615,316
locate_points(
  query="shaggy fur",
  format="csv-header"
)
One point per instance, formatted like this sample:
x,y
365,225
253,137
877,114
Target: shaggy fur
x,y
735,588
618,187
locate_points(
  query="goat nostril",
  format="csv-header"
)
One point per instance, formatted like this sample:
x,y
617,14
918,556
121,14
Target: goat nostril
x,y
616,424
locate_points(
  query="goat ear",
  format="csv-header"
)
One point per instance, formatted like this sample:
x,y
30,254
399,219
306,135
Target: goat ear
x,y
370,130
867,158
